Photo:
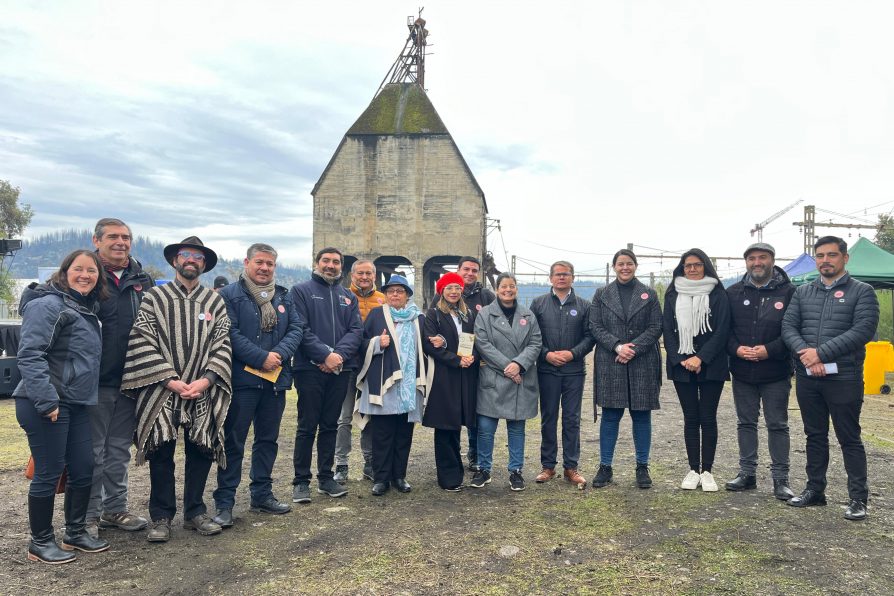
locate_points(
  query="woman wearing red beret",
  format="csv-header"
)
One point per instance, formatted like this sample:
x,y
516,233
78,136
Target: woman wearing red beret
x,y
451,400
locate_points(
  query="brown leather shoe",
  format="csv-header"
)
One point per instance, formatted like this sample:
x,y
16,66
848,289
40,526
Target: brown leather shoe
x,y
572,476
545,475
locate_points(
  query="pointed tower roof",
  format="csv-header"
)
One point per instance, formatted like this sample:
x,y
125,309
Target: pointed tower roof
x,y
400,108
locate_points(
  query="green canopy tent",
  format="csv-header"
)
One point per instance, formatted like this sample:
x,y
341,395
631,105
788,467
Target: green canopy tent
x,y
869,264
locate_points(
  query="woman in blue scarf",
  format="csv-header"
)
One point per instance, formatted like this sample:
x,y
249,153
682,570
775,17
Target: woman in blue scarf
x,y
393,383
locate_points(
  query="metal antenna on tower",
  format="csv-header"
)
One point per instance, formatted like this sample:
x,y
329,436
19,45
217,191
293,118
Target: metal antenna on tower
x,y
410,63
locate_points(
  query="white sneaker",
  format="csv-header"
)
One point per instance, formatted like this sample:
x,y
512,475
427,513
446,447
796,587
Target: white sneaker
x,y
692,481
708,484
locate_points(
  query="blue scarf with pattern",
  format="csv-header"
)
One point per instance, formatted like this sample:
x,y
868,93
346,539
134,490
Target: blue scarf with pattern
x,y
406,332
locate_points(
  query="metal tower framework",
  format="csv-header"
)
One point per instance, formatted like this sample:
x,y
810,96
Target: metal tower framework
x,y
410,63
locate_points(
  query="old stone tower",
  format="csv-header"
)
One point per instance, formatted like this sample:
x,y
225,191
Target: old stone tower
x,y
398,192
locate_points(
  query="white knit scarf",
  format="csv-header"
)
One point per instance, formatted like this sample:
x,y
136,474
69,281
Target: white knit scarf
x,y
692,310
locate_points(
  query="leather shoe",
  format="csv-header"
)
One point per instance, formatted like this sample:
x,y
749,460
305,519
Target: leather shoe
x,y
742,482
271,505
856,510
545,475
781,490
402,485
808,498
224,518
380,488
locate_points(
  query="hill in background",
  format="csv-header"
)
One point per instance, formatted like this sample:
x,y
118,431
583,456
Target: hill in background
x,y
50,249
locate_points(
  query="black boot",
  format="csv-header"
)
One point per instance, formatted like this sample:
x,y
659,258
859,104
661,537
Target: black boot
x,y
43,545
742,482
76,536
781,490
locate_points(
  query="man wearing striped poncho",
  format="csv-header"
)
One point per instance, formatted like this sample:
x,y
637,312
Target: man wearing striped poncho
x,y
178,367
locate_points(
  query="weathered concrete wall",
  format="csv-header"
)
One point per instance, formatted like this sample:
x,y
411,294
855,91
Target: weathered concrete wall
x,y
410,196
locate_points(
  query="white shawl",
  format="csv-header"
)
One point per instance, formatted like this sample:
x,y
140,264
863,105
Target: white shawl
x,y
692,310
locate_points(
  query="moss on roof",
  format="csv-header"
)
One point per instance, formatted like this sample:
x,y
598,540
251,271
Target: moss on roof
x,y
400,108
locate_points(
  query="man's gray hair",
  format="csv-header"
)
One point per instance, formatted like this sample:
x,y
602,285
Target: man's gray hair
x,y
566,264
260,247
105,222
363,262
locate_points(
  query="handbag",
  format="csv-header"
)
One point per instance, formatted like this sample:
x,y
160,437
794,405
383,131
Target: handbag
x,y
60,486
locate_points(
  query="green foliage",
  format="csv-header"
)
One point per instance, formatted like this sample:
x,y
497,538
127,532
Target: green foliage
x,y
14,218
885,235
885,331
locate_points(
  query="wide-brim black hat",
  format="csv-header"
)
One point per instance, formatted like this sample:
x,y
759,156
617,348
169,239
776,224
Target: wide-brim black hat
x,y
171,251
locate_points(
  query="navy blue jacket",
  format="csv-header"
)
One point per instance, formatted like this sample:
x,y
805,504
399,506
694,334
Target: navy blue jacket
x,y
60,349
837,321
564,327
332,323
117,314
251,345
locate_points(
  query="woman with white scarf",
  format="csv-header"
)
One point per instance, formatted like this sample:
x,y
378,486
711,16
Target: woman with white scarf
x,y
696,327
393,383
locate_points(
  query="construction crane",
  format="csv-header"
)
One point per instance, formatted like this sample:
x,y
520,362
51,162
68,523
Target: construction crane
x,y
759,228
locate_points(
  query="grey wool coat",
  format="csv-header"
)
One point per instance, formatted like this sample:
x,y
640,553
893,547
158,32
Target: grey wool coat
x,y
498,344
634,385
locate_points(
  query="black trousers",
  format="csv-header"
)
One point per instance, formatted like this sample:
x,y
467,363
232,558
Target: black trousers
x,y
842,400
162,497
392,437
320,397
55,445
448,459
699,400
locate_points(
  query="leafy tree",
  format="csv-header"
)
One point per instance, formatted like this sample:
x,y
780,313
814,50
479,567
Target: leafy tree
x,y
14,218
885,236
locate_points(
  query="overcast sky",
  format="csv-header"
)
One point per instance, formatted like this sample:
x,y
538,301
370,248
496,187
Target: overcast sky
x,y
588,125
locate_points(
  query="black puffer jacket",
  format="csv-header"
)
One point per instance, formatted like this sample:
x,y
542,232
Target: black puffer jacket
x,y
756,315
837,321
563,327
117,314
60,349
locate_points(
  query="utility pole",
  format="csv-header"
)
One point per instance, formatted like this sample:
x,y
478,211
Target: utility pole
x,y
512,268
809,226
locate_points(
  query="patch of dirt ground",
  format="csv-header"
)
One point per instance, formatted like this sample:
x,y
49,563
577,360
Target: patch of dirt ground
x,y
549,538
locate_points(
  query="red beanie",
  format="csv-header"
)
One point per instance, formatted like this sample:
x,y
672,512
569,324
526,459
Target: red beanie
x,y
446,280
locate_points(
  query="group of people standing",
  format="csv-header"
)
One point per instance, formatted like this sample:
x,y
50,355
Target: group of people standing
x,y
108,360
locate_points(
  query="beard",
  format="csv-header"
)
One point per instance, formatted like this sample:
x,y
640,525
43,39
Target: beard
x,y
189,272
329,276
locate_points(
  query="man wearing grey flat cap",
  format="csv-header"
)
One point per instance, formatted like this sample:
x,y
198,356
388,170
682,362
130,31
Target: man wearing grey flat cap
x,y
761,366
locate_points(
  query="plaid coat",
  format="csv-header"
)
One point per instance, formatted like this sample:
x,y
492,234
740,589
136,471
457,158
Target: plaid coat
x,y
634,385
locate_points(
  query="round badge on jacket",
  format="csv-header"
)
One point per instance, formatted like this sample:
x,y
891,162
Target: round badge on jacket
x,y
208,316
572,312
281,309
201,316
478,307
523,322
779,306
644,295
263,294
746,302
839,294
138,287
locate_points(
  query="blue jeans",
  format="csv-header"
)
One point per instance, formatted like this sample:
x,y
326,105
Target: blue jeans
x,y
515,429
263,408
608,434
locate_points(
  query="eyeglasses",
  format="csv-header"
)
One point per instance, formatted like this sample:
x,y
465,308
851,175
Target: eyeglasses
x,y
693,266
195,256
396,290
